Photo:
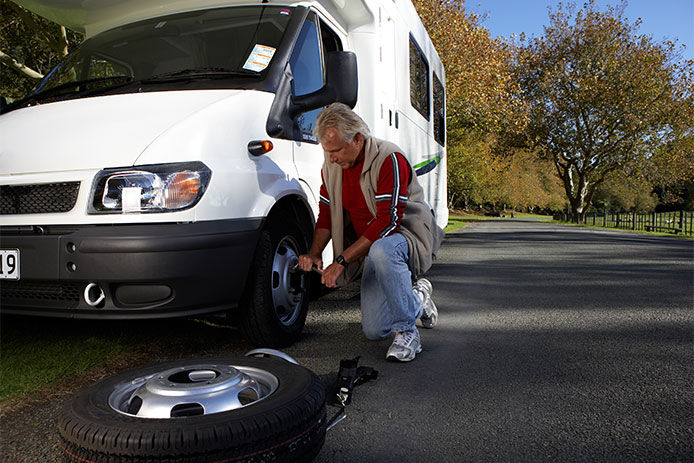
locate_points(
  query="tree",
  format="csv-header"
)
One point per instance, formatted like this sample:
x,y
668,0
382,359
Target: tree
x,y
622,192
481,98
29,47
602,98
528,182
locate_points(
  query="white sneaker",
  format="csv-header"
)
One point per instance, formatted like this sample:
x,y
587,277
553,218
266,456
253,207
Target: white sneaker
x,y
405,346
430,314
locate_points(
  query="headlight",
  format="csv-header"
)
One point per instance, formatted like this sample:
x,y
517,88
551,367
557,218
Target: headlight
x,y
154,188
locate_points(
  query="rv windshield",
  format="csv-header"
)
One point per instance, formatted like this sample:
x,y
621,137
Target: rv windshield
x,y
224,48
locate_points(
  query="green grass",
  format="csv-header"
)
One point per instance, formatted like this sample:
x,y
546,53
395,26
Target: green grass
x,y
458,220
38,352
34,354
640,232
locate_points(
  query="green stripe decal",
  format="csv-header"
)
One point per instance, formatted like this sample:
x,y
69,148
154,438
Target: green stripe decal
x,y
424,163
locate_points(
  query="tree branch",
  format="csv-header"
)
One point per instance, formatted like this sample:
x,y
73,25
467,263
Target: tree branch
x,y
57,43
19,67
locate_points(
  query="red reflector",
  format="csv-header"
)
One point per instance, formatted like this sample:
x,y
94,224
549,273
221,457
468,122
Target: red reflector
x,y
259,147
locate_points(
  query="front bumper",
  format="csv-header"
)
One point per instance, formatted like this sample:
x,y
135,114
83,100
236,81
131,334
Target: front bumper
x,y
143,271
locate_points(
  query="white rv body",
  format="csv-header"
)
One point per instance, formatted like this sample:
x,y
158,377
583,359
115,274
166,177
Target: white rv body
x,y
76,140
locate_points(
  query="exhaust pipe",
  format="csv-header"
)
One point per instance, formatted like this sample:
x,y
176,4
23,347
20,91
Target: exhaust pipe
x,y
93,294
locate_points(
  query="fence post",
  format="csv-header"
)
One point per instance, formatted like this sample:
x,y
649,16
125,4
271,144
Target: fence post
x,y
653,227
604,219
681,224
633,220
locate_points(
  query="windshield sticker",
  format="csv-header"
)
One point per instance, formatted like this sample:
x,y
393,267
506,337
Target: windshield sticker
x,y
259,58
285,11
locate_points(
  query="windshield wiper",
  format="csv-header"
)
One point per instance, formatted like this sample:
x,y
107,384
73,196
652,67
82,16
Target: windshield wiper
x,y
71,88
201,73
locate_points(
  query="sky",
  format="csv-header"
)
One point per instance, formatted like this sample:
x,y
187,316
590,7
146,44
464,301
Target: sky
x,y
662,19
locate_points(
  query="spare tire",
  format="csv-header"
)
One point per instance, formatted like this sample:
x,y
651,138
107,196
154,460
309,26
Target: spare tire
x,y
204,410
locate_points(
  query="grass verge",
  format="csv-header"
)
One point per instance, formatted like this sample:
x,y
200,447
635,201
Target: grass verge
x,y
33,353
639,232
458,220
36,353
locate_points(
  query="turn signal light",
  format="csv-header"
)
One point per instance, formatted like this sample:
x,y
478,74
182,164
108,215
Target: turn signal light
x,y
259,147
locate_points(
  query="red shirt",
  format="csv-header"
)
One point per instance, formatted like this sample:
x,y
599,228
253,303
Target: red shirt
x,y
391,199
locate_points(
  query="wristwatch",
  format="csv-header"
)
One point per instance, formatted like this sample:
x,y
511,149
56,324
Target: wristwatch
x,y
341,260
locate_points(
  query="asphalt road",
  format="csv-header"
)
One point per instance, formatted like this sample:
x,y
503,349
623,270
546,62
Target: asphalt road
x,y
554,343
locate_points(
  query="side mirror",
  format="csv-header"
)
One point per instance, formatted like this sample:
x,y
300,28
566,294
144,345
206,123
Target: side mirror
x,y
341,85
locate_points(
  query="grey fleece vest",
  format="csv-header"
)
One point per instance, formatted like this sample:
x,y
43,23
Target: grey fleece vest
x,y
418,224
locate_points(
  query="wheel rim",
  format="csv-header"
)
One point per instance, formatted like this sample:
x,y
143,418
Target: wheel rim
x,y
288,287
191,390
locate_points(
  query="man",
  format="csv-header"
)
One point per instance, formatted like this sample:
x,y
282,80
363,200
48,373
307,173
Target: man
x,y
372,207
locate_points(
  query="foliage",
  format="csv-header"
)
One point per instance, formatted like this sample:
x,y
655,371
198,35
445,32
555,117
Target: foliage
x,y
621,192
481,100
479,83
30,46
528,182
603,98
472,169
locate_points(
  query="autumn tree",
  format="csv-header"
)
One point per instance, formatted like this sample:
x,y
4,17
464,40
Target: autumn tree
x,y
603,98
481,98
30,46
479,82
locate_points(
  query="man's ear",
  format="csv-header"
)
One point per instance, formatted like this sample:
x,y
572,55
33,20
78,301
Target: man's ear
x,y
359,139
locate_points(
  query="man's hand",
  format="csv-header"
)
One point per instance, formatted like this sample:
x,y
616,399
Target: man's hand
x,y
307,261
331,274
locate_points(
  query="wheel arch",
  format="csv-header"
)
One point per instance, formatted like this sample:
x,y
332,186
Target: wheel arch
x,y
299,207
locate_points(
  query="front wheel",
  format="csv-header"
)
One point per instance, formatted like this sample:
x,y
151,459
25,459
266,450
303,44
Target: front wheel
x,y
275,302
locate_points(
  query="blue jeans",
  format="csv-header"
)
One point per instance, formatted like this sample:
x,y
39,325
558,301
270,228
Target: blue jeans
x,y
388,303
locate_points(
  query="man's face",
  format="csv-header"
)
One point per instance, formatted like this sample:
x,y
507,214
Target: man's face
x,y
345,154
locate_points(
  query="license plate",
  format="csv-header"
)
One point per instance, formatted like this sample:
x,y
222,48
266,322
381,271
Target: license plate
x,y
9,264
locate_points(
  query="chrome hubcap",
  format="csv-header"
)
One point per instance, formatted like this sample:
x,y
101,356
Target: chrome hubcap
x,y
192,390
288,288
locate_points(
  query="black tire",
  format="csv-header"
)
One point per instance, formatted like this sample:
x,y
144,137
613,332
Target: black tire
x,y
267,317
286,426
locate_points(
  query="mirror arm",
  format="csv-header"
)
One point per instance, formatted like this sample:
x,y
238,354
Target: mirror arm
x,y
317,99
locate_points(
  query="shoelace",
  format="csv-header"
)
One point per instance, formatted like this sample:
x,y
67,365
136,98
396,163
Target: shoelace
x,y
404,339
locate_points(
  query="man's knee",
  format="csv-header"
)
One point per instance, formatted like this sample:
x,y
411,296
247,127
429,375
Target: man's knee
x,y
381,253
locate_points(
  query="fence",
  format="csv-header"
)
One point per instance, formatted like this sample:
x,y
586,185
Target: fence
x,y
673,222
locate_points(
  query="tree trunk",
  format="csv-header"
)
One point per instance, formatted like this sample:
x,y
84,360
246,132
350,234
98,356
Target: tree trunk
x,y
576,188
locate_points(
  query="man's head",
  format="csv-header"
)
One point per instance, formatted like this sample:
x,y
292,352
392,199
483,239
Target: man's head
x,y
342,134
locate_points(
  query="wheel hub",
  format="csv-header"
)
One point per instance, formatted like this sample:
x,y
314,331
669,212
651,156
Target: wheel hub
x,y
193,390
288,287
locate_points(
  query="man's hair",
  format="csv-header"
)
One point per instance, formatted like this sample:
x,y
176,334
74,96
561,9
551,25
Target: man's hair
x,y
347,123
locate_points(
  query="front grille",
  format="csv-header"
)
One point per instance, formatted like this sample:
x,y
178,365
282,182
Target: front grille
x,y
66,294
38,199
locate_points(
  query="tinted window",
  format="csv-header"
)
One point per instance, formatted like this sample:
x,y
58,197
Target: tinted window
x,y
439,112
306,62
307,69
419,80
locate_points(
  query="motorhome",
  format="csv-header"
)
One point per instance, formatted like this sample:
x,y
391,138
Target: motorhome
x,y
167,167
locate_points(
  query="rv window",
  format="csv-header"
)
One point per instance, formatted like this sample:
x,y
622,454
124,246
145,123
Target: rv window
x,y
419,79
307,68
331,42
439,112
